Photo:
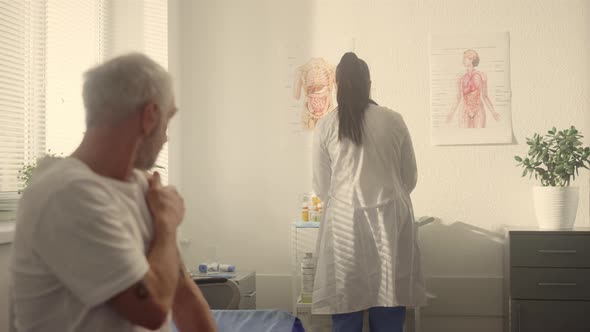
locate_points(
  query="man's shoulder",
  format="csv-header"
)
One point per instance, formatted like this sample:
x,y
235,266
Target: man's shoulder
x,y
63,182
52,176
56,193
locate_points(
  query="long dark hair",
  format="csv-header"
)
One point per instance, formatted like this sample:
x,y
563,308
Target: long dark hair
x,y
354,84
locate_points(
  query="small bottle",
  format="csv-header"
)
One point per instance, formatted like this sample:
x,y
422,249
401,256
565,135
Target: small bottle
x,y
305,200
205,268
315,200
227,268
305,213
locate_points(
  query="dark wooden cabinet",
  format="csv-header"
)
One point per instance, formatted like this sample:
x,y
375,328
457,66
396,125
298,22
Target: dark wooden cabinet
x,y
548,281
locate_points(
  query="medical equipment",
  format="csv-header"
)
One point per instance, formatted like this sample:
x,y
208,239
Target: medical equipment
x,y
215,267
217,289
311,208
220,293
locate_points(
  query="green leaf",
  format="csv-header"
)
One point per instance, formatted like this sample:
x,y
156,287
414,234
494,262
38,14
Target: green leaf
x,y
556,157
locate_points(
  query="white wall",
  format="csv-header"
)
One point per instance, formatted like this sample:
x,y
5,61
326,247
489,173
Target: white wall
x,y
242,170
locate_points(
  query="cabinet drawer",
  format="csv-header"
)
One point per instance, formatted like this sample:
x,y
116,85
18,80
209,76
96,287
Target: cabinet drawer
x,y
549,316
550,284
549,250
248,302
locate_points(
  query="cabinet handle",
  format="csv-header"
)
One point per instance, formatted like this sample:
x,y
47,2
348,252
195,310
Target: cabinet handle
x,y
550,251
249,295
557,284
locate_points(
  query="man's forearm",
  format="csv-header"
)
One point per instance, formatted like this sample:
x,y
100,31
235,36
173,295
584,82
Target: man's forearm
x,y
191,311
149,302
164,266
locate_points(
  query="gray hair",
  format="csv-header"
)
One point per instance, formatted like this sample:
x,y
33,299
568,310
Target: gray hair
x,y
123,85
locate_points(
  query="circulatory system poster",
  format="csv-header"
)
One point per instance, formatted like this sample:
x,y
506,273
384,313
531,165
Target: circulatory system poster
x,y
470,89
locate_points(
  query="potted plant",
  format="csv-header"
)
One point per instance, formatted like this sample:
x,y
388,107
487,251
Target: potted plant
x,y
26,172
555,159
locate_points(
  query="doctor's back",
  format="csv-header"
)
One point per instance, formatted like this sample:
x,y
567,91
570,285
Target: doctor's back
x,y
364,168
381,169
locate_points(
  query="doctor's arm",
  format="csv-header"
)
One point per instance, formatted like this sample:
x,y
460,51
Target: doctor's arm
x,y
190,310
322,171
409,170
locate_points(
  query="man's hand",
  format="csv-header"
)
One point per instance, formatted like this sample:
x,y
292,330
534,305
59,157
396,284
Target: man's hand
x,y
149,301
165,204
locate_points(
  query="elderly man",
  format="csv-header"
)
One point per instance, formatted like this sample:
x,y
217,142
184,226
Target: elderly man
x,y
95,244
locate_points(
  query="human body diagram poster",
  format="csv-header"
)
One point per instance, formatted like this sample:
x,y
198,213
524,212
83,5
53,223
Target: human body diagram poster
x,y
314,87
470,89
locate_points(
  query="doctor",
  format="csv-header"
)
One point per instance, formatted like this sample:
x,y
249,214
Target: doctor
x,y
364,168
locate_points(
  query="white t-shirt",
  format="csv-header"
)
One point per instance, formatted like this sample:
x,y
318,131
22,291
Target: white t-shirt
x,y
80,239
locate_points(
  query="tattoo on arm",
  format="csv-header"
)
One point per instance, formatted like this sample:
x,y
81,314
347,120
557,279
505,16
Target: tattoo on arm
x,y
141,291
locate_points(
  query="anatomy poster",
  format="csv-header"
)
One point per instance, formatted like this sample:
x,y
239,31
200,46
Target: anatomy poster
x,y
470,89
314,88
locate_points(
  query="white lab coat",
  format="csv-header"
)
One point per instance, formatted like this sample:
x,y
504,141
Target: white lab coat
x,y
367,248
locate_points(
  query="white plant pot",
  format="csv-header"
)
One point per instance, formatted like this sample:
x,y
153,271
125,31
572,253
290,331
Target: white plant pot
x,y
556,207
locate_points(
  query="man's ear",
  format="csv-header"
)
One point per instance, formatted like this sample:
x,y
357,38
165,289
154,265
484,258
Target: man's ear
x,y
149,118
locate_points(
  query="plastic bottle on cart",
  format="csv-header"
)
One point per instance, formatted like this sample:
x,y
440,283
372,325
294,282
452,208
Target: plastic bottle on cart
x,y
316,214
305,213
227,268
307,277
312,214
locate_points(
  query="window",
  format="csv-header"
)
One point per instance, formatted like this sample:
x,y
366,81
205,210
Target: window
x,y
81,34
140,25
22,98
22,87
74,44
45,46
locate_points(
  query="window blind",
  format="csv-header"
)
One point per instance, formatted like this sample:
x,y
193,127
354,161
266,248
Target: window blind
x,y
45,46
142,26
83,33
74,44
22,87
